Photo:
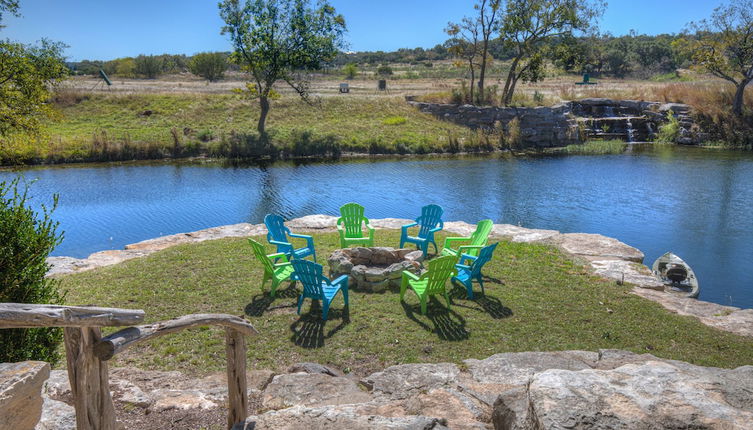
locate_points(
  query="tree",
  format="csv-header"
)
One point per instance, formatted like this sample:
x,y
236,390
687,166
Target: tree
x,y
529,24
351,70
148,66
26,239
475,35
209,65
465,45
27,76
8,6
281,40
723,46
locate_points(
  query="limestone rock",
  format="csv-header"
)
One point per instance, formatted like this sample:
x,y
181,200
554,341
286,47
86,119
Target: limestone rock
x,y
346,417
56,415
129,394
313,368
166,399
21,394
311,389
57,385
652,395
519,234
627,271
313,222
402,381
584,244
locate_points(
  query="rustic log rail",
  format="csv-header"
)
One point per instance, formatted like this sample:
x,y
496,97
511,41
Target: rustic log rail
x,y
87,352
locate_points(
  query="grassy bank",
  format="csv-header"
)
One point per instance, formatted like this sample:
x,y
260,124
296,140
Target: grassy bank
x,y
536,299
97,127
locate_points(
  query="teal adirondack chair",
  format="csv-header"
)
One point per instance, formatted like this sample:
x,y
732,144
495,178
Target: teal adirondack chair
x,y
277,272
468,272
317,286
351,230
430,282
279,236
475,241
428,223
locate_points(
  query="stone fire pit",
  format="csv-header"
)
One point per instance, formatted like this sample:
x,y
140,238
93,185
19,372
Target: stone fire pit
x,y
374,269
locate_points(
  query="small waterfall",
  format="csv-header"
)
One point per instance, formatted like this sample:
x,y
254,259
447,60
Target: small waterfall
x,y
630,131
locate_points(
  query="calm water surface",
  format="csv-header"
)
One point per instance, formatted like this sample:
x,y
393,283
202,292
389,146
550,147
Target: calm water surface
x,y
696,203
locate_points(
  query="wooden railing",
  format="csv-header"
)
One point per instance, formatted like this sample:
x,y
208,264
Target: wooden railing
x,y
87,352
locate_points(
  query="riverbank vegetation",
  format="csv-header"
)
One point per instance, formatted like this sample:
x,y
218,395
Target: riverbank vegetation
x,y
536,299
98,127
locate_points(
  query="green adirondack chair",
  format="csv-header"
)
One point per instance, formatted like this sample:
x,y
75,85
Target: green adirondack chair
x,y
351,230
430,282
475,241
277,272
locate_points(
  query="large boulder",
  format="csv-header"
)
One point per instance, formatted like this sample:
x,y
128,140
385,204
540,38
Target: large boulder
x,y
400,382
21,394
596,245
652,395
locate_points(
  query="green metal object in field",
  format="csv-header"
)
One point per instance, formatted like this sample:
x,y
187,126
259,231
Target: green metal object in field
x,y
475,241
104,77
351,230
430,282
277,272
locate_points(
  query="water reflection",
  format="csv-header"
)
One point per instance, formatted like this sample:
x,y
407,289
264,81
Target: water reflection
x,y
696,203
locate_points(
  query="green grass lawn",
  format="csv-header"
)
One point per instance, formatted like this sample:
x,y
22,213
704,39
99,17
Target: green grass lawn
x,y
536,299
97,127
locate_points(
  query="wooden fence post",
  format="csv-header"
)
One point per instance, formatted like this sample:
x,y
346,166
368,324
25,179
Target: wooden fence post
x,y
89,380
237,388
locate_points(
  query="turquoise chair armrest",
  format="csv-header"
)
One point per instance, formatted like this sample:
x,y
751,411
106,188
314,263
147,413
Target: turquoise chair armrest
x,y
309,239
407,226
463,266
277,242
342,279
464,257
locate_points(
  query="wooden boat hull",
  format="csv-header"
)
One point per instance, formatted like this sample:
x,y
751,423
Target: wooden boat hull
x,y
677,276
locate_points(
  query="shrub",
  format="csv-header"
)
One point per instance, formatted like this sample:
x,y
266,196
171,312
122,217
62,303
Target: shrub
x,y
384,70
209,65
513,137
669,132
350,70
26,239
148,66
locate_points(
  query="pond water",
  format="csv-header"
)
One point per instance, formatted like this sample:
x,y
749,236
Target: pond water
x,y
697,203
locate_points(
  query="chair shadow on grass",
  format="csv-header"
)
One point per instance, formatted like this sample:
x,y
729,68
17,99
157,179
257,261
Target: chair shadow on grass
x,y
309,329
446,323
262,303
484,303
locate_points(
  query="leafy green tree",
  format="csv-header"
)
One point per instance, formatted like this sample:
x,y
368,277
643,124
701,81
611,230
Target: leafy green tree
x,y
26,239
27,76
723,46
8,6
528,25
209,65
350,70
281,40
148,66
384,70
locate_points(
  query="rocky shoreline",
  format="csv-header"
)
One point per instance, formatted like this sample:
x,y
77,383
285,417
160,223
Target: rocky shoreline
x,y
528,390
606,256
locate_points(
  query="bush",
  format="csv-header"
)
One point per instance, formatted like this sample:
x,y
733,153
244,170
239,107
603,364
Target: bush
x,y
26,239
148,66
384,70
209,65
351,70
669,132
395,120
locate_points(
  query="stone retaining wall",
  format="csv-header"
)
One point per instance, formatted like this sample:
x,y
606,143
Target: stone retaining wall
x,y
569,123
608,258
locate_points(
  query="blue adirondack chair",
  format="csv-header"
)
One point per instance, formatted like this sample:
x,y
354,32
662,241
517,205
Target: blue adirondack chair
x,y
279,236
317,286
468,272
428,223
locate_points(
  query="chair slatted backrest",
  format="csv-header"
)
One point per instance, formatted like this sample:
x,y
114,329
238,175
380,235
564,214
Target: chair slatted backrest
x,y
310,275
481,235
261,255
483,257
276,228
431,215
352,216
440,270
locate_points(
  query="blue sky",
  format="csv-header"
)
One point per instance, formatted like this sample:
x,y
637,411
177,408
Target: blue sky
x,y
107,30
